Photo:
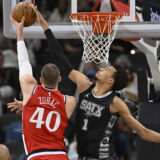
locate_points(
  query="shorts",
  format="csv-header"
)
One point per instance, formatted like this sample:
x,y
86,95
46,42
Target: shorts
x,y
48,156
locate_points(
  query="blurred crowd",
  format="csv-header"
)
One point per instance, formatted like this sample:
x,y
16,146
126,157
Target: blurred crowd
x,y
54,12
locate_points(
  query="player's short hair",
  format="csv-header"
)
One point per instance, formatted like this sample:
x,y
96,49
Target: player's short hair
x,y
120,78
50,74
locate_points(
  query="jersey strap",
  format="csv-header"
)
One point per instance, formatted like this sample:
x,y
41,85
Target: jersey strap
x,y
34,89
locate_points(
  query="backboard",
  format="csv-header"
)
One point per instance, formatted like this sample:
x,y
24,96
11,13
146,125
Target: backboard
x,y
129,27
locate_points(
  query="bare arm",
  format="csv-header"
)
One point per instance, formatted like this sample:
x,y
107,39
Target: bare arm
x,y
27,80
70,105
80,79
120,107
77,77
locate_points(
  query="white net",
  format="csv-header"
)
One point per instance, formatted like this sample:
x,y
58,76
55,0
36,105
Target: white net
x,y
96,44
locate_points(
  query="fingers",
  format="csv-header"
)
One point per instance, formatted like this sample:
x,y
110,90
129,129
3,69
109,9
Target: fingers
x,y
22,20
12,19
15,100
35,8
13,109
19,111
11,105
15,106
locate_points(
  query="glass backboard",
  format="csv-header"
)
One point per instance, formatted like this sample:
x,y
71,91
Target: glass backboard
x,y
63,29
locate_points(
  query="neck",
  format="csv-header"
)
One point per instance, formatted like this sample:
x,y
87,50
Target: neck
x,y
50,86
101,89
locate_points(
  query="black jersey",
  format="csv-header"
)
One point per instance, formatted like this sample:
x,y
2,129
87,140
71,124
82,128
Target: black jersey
x,y
94,125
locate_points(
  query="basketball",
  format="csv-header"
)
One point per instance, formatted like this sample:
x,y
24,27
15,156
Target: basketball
x,y
24,9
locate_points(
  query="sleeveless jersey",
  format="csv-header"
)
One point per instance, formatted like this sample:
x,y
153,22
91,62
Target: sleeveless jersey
x,y
94,125
44,121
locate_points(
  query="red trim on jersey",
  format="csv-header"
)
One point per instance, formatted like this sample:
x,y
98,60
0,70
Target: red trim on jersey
x,y
46,153
50,157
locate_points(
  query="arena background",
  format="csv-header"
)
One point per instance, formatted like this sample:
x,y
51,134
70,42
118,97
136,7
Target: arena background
x,y
141,95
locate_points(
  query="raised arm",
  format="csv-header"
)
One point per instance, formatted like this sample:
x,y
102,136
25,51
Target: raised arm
x,y
70,105
77,77
119,106
26,78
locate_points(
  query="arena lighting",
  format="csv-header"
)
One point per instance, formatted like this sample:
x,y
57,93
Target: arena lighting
x,y
132,51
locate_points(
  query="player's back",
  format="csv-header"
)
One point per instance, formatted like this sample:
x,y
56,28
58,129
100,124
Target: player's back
x,y
44,121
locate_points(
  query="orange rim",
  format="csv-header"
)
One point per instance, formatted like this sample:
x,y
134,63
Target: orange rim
x,y
98,17
92,16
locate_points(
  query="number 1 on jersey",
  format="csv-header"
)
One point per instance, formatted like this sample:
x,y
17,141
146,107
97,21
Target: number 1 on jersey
x,y
85,125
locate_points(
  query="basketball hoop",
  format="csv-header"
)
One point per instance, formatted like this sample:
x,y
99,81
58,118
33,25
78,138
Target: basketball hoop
x,y
97,31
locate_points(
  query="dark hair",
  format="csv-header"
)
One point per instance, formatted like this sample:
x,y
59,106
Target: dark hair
x,y
130,74
120,78
50,74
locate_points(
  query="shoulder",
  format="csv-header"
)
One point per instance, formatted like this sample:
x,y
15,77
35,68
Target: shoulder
x,y
117,101
117,105
87,90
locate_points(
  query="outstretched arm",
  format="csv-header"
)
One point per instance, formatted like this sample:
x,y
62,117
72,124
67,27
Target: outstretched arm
x,y
119,106
26,78
77,77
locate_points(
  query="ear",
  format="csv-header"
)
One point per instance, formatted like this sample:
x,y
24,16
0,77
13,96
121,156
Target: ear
x,y
111,80
60,79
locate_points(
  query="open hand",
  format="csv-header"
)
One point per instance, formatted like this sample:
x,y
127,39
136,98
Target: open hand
x,y
40,18
18,25
16,106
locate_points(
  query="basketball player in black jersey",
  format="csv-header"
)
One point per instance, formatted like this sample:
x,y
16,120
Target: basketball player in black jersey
x,y
99,107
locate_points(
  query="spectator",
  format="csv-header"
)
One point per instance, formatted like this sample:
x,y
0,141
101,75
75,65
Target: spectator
x,y
123,61
4,152
60,13
9,85
14,132
6,91
10,59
